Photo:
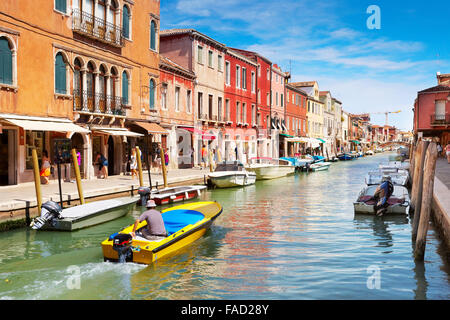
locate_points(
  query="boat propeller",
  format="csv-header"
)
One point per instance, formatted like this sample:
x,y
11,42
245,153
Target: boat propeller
x,y
50,211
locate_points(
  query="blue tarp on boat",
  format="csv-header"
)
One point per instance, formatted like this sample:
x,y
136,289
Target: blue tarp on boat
x,y
175,220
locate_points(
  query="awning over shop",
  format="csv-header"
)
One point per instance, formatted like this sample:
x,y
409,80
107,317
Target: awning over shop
x,y
151,127
321,140
286,135
205,135
298,140
43,124
355,141
118,132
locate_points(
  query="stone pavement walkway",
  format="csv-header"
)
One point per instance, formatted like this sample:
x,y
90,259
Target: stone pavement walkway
x,y
24,195
442,197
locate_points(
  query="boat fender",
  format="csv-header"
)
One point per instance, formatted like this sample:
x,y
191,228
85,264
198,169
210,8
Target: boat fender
x,y
173,197
199,192
186,195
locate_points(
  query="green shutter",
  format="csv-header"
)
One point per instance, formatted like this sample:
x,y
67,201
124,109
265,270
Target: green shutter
x,y
125,88
5,62
152,94
60,74
61,5
153,35
126,22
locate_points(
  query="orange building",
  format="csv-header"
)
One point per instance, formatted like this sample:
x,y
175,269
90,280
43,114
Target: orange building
x,y
78,69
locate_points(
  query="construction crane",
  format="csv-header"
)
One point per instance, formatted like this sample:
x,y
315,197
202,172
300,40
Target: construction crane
x,y
386,113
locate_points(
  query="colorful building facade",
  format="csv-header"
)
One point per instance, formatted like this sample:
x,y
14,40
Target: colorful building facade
x,y
78,70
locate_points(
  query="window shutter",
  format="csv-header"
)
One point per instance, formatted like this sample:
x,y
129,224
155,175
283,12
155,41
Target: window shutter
x,y
5,62
125,88
152,95
126,22
60,74
61,5
153,36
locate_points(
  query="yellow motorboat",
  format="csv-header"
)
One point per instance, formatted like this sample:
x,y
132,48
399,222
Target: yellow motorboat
x,y
184,224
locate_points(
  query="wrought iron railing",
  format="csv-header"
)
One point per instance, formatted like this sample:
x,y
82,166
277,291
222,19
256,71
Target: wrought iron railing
x,y
87,24
440,119
97,102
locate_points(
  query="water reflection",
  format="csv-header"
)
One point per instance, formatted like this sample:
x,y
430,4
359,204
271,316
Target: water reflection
x,y
381,227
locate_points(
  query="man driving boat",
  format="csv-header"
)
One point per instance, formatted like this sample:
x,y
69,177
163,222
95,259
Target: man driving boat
x,y
155,229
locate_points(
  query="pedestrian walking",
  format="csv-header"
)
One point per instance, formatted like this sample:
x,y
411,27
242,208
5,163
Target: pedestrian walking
x,y
166,160
133,163
447,150
45,168
102,165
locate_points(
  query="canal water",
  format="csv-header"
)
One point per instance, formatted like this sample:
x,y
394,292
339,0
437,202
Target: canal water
x,y
291,238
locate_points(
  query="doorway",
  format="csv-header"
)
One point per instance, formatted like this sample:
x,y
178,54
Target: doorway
x,y
110,155
7,157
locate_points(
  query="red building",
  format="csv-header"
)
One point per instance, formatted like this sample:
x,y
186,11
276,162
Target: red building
x,y
432,111
295,117
240,106
263,98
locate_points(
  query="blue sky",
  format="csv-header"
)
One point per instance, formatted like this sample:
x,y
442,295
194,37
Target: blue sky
x,y
369,70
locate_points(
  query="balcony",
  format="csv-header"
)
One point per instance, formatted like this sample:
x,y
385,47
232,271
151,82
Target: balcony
x,y
96,28
88,102
440,119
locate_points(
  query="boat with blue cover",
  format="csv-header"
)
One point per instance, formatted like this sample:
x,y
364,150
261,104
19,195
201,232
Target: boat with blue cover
x,y
184,224
345,156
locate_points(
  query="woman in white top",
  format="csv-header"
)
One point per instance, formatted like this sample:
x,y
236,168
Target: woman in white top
x,y
133,163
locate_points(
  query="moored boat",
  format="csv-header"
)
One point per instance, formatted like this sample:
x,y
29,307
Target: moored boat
x,y
400,178
184,224
345,156
268,168
231,174
170,195
398,202
81,216
319,166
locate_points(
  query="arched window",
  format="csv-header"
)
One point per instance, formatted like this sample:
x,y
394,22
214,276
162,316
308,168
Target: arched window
x,y
60,74
153,35
125,88
6,62
152,94
126,22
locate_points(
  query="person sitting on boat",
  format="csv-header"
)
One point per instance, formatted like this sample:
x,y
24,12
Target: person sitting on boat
x,y
155,229
382,195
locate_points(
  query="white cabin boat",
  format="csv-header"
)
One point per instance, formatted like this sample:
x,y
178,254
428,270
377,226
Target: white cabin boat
x,y
268,168
231,174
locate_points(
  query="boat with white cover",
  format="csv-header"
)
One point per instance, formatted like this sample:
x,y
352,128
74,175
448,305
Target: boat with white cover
x,y
269,168
81,216
231,174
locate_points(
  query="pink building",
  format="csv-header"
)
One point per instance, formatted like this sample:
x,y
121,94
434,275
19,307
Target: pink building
x,y
432,111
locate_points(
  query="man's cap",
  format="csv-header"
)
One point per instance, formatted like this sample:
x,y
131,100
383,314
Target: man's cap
x,y
151,203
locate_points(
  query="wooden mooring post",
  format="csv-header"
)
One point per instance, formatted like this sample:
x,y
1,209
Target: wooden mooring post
x,y
419,159
426,199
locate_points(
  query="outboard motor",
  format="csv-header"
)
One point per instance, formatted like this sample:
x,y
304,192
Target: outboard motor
x,y
144,193
122,244
50,211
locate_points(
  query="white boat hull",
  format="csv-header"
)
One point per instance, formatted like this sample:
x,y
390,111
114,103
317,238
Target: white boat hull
x,y
361,207
92,213
229,180
271,171
321,166
400,193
